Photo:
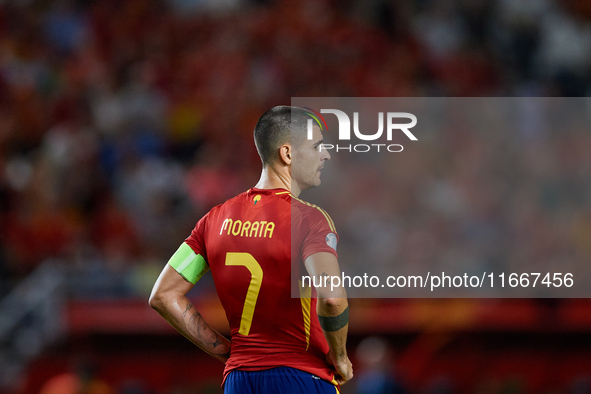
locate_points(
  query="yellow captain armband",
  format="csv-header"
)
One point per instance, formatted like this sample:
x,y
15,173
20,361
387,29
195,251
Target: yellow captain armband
x,y
188,264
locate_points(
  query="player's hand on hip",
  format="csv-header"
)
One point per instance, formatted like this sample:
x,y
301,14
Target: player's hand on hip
x,y
344,370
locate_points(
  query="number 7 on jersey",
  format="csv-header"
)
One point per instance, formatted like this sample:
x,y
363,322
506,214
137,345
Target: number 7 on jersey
x,y
256,279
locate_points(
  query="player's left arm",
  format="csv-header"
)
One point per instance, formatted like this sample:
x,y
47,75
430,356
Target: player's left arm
x,y
333,312
169,299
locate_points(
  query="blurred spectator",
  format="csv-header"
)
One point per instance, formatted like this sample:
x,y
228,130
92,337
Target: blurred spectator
x,y
82,381
373,369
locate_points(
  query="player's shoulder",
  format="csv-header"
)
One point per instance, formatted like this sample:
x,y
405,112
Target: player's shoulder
x,y
306,208
311,212
229,202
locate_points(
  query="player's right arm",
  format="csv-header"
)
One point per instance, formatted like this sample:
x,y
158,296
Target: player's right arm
x,y
333,313
169,299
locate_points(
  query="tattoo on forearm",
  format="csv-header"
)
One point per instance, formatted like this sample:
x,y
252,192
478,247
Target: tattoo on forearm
x,y
205,334
187,309
201,330
194,317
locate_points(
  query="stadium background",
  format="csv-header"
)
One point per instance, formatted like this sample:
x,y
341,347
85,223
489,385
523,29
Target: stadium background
x,y
122,122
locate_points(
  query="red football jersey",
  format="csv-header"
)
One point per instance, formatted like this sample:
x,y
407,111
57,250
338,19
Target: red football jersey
x,y
247,242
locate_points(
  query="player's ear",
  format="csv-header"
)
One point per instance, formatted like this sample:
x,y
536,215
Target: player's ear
x,y
285,153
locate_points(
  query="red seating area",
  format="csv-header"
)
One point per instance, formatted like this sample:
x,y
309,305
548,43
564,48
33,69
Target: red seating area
x,y
524,346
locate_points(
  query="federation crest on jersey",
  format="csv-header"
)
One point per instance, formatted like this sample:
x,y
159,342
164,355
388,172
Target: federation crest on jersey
x,y
331,240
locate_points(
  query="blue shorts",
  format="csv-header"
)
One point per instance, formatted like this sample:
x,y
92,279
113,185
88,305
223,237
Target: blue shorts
x,y
276,380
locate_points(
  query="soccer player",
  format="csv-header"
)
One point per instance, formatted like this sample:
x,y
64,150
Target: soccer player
x,y
279,344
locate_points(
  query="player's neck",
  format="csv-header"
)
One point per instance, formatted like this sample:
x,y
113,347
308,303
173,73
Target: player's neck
x,y
272,178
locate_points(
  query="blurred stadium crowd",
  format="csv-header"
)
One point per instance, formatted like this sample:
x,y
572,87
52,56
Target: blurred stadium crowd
x,y
122,122
493,184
